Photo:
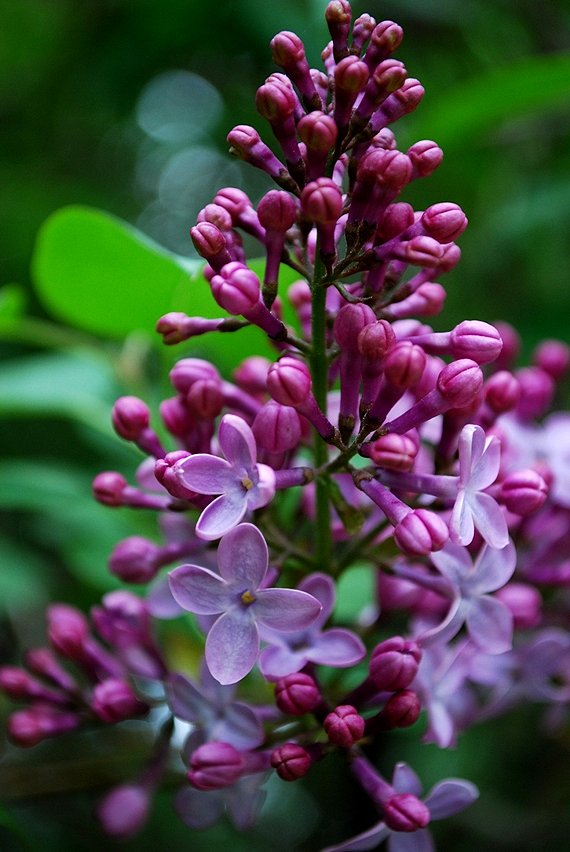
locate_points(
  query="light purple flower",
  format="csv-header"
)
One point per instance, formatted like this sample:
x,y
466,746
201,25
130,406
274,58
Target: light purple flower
x,y
445,799
242,801
238,596
243,484
479,461
335,647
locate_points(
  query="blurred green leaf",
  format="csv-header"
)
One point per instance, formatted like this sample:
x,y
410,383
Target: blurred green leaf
x,y
529,86
21,578
355,592
12,303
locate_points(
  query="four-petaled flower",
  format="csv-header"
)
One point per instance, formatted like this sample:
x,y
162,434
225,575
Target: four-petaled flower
x,y
242,483
238,596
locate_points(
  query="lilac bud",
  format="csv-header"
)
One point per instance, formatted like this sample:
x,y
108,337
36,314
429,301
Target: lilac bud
x,y
318,131
205,398
277,428
237,289
361,31
321,201
394,452
537,390
135,560
350,322
523,492
402,709
164,471
553,356
176,417
385,38
344,726
426,156
394,664
405,364
217,215
124,810
43,662
251,375
524,602
477,340
387,77
18,684
277,211
420,251
68,630
421,532
275,102
30,726
350,78
108,488
211,244
289,381
396,219
289,53
401,102
215,765
130,417
405,812
113,700
445,221
426,301
297,694
291,761
246,143
338,15
511,344
450,258
177,326
460,382
502,392
188,370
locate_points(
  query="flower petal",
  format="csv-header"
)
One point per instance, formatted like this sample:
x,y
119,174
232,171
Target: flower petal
x,y
244,800
416,841
321,587
263,491
489,519
239,726
471,445
199,590
448,628
451,796
242,557
485,472
493,568
185,699
490,624
237,442
336,647
461,525
199,809
205,474
286,610
232,646
221,515
453,561
362,842
405,780
280,660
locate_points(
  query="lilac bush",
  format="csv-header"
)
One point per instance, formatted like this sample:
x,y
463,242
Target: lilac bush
x,y
371,438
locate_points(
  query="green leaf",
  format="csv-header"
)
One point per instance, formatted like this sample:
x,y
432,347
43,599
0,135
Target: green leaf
x,y
12,303
356,590
471,109
100,274
21,576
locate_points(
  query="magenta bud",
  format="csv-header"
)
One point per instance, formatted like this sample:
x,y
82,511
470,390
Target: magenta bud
x,y
361,31
291,761
108,488
394,452
523,492
537,390
210,243
188,370
349,323
30,726
236,288
524,602
553,356
43,662
426,156
405,812
375,340
176,417
460,382
124,811
321,201
289,381
130,417
318,131
251,375
445,221
135,560
215,765
350,75
338,16
287,50
234,200
421,532
16,683
164,471
426,301
297,694
277,428
277,211
386,37
397,218
394,664
217,215
68,630
344,726
385,168
401,102
113,700
205,398
502,392
477,340
274,102
420,251
511,344
405,364
402,709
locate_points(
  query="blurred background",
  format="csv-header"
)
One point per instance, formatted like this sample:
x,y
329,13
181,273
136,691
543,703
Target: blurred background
x,y
123,106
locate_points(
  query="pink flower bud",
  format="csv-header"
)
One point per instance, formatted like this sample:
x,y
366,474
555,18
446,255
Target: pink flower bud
x,y
291,761
205,398
394,664
523,492
537,391
351,75
401,102
210,243
108,488
402,709
130,417
215,765
426,156
344,726
297,694
188,370
318,131
68,630
511,344
420,251
445,221
113,701
375,340
421,532
349,323
43,662
289,381
277,211
477,340
502,392
405,812
277,428
394,452
396,219
553,356
274,102
217,215
124,811
524,602
405,364
338,16
236,289
176,417
164,471
234,200
362,30
287,50
460,382
135,560
251,375
321,201
30,726
385,38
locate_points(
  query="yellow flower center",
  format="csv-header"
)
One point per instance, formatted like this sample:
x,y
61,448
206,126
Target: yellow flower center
x,y
247,598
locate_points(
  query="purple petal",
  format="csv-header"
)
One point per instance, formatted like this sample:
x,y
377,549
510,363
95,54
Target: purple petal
x,y
493,569
232,646
221,515
405,780
461,525
448,628
160,602
471,445
264,491
485,472
336,647
242,557
321,587
185,699
199,809
490,625
237,442
451,796
441,728
489,519
245,799
278,661
416,841
199,590
454,562
240,727
367,840
286,610
205,474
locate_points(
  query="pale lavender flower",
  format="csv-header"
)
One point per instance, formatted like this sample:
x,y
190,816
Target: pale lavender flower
x,y
242,483
238,596
335,647
242,801
445,799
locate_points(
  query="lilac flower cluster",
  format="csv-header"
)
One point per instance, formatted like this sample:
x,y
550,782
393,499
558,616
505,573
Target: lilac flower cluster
x,y
424,454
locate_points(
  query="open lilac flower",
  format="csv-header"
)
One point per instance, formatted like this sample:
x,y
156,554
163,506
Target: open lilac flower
x,y
445,799
242,801
289,652
241,482
479,460
238,596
